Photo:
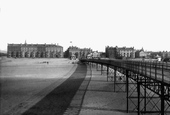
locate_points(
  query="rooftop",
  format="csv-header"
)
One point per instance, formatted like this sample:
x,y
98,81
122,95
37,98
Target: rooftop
x,y
54,45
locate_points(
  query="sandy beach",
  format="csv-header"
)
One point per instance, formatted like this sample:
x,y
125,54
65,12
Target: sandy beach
x,y
24,78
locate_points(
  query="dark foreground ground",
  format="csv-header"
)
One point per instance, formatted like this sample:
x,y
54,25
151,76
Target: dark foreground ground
x,y
57,101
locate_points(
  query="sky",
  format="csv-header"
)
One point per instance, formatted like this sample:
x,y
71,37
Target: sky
x,y
87,23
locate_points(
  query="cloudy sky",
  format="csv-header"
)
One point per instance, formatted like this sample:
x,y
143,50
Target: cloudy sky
x,y
87,23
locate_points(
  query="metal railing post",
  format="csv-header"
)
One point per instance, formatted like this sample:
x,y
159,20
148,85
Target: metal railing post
x,y
127,89
101,69
162,99
138,90
115,70
107,71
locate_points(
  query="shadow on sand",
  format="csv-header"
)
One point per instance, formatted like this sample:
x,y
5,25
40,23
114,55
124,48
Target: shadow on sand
x,y
57,101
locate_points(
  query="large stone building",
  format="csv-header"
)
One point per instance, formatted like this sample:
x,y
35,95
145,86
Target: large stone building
x,y
76,52
141,54
120,52
35,50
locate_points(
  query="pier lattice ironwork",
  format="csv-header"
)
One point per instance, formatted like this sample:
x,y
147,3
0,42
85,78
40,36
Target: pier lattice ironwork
x,y
147,84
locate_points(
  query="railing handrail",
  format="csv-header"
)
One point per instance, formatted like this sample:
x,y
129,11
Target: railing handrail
x,y
160,70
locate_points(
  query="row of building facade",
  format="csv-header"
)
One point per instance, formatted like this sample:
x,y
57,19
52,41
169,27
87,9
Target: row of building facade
x,y
119,52
45,51
110,52
74,52
56,51
125,52
34,50
130,52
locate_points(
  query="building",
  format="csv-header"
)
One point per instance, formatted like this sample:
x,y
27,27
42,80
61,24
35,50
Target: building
x,y
165,54
120,52
34,50
72,52
94,55
3,53
141,54
127,52
110,52
102,54
84,52
76,52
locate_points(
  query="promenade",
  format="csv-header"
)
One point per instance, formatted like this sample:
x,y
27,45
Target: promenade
x,y
96,96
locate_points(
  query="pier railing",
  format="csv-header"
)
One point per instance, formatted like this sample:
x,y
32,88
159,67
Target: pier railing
x,y
156,70
151,79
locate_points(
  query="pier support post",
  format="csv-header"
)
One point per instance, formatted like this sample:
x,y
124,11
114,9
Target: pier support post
x,y
138,90
107,71
162,99
127,90
97,66
101,69
115,70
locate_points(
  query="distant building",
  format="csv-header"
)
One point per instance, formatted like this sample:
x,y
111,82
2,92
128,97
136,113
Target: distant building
x,y
3,53
158,57
34,50
165,54
110,52
120,52
77,52
94,55
102,54
141,53
72,52
84,52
